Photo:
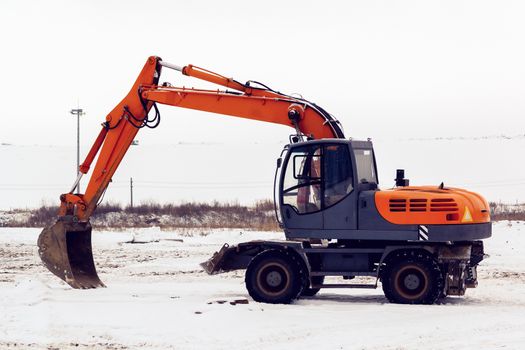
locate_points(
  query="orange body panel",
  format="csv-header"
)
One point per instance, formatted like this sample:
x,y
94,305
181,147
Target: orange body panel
x,y
204,74
429,205
117,141
123,122
267,109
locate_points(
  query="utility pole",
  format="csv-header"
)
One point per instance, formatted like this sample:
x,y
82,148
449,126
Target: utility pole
x,y
131,190
133,143
78,112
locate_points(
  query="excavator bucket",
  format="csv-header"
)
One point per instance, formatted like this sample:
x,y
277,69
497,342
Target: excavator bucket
x,y
65,249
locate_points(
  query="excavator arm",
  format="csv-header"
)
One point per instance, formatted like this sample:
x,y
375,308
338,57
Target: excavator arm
x,y
65,247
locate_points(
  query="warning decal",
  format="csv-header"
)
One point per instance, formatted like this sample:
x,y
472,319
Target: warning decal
x,y
467,217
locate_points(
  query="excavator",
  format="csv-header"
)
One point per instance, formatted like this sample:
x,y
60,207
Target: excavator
x,y
421,243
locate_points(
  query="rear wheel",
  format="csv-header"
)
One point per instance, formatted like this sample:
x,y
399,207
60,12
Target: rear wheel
x,y
274,277
412,278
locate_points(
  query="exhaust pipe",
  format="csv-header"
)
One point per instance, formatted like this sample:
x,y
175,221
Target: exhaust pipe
x,y
65,250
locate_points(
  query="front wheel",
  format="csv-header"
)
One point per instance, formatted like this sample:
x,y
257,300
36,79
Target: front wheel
x,y
412,278
274,277
310,292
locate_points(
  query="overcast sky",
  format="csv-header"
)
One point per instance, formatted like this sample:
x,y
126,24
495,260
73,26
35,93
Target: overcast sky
x,y
383,68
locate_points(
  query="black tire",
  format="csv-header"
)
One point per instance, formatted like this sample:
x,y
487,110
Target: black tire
x,y
310,292
274,277
412,277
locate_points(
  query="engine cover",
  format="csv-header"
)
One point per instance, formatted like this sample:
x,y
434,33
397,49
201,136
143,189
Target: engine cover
x,y
430,205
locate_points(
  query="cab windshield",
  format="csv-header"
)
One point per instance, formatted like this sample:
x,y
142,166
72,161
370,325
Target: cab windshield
x,y
366,172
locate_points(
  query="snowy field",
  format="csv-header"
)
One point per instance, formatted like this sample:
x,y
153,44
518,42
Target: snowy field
x,y
157,297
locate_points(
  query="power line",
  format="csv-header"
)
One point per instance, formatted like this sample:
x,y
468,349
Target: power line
x,y
201,183
193,185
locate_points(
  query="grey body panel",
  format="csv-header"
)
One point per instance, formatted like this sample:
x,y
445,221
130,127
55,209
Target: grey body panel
x,y
406,235
295,220
457,233
239,256
365,216
339,261
342,215
360,144
435,233
346,262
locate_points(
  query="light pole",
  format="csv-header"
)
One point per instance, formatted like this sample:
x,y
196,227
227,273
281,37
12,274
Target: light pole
x,y
78,112
131,190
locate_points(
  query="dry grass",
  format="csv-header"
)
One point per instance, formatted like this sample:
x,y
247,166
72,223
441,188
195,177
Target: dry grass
x,y
260,216
501,211
43,216
186,215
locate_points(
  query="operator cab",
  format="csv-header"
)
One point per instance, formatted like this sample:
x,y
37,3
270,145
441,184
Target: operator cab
x,y
320,182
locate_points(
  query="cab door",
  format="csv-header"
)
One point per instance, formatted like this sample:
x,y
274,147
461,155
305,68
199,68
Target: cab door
x,y
339,195
301,188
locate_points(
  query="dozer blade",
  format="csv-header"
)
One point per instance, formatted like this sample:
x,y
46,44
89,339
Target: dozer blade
x,y
65,249
217,262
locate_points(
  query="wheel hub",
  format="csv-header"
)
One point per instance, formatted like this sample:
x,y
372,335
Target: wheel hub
x,y
274,279
412,281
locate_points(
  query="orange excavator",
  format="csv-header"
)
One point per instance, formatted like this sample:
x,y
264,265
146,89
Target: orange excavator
x,y
422,243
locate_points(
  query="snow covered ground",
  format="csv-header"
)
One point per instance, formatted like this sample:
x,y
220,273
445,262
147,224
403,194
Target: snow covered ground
x,y
157,297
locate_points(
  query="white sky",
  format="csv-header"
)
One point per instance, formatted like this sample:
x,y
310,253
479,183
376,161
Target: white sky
x,y
385,69
388,70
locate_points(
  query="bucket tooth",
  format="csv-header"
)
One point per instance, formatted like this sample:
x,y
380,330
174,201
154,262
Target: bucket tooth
x,y
65,250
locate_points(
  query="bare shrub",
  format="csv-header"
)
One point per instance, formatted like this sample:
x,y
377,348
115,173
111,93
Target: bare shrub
x,y
500,211
47,214
207,215
185,215
189,215
264,205
43,216
110,207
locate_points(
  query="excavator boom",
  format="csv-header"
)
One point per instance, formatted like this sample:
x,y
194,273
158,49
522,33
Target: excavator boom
x,y
65,247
